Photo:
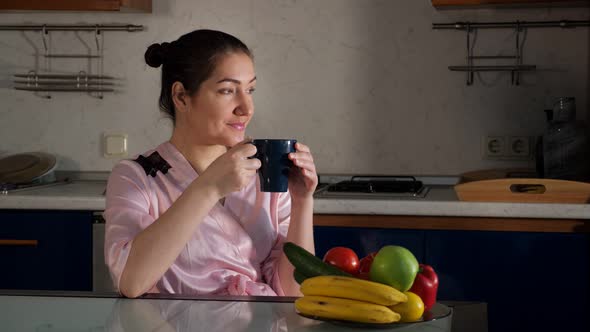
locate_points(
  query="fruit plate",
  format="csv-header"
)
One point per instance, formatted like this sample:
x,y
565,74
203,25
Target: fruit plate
x,y
438,312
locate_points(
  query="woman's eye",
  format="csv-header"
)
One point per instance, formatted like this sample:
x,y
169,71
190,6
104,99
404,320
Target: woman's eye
x,y
226,91
251,90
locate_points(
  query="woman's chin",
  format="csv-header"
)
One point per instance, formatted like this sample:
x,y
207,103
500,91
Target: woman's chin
x,y
230,142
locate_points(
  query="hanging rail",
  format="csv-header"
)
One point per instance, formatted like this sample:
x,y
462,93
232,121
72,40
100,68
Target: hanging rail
x,y
82,75
74,27
64,83
63,89
511,25
520,27
492,68
82,82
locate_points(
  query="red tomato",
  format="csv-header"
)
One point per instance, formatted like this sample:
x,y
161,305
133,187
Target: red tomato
x,y
343,258
365,263
363,275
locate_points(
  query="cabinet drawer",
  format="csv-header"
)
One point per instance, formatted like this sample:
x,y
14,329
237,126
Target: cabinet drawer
x,y
47,250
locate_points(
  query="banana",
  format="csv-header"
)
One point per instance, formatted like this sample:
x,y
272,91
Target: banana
x,y
354,289
345,309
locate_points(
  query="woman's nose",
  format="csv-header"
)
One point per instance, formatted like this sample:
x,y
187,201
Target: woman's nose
x,y
245,106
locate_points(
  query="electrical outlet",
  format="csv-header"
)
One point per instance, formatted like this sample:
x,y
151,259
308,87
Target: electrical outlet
x,y
493,146
498,147
518,147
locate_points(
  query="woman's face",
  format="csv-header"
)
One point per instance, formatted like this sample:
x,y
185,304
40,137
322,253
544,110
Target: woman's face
x,y
222,107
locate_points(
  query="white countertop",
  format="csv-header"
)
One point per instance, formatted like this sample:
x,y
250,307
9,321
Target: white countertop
x,y
444,203
75,195
440,201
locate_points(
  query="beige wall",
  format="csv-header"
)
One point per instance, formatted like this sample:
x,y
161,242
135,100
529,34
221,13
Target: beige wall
x,y
363,82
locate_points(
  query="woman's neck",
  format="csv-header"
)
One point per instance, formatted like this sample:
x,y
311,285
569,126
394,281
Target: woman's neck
x,y
198,156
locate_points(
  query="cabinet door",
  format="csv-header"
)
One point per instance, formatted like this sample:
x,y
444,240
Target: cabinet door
x,y
366,240
531,281
46,250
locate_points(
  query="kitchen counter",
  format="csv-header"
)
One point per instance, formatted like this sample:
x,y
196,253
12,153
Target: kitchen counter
x,y
75,194
55,311
86,192
441,201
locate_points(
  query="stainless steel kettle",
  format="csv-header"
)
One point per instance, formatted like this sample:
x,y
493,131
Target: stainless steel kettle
x,y
563,152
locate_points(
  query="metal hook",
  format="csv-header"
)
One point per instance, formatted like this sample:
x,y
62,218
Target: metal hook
x,y
96,33
100,63
32,75
43,33
515,75
33,79
82,75
469,55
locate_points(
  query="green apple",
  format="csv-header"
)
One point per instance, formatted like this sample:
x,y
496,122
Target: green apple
x,y
394,266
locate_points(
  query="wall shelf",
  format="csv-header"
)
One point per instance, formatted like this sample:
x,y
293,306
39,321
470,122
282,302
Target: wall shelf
x,y
46,81
516,66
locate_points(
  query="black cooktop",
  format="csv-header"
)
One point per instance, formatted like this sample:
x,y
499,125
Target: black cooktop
x,y
378,184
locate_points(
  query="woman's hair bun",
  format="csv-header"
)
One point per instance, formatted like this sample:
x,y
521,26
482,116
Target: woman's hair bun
x,y
155,54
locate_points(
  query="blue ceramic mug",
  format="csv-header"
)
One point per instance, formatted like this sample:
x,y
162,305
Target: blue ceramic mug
x,y
274,156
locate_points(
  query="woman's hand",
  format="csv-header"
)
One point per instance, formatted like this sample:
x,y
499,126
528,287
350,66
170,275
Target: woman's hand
x,y
303,178
233,170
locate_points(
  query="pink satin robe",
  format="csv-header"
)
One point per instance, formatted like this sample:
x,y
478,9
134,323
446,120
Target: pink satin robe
x,y
234,250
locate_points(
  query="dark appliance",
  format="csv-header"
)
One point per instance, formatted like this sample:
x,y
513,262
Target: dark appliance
x,y
371,186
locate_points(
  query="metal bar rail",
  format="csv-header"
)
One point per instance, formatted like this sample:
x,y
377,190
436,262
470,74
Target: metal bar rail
x,y
72,27
511,25
82,82
470,28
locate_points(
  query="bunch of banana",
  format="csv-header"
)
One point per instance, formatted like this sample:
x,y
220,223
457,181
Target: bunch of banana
x,y
348,298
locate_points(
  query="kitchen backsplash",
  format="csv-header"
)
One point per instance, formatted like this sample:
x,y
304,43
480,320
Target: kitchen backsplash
x,y
363,82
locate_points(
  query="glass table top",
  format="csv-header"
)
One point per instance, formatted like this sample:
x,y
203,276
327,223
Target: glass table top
x,y
50,312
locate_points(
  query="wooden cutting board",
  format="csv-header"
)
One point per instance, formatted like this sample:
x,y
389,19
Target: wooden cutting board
x,y
524,190
498,173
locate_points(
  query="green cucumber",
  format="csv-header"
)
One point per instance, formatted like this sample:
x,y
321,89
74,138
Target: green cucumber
x,y
298,276
308,264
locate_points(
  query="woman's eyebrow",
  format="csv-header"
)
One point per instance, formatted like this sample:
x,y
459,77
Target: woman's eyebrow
x,y
234,80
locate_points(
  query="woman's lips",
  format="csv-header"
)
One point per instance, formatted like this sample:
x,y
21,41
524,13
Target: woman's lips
x,y
238,126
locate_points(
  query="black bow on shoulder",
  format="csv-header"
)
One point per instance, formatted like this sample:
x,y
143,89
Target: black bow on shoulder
x,y
153,163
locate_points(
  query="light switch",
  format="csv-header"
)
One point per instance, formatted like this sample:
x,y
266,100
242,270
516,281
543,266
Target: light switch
x,y
115,145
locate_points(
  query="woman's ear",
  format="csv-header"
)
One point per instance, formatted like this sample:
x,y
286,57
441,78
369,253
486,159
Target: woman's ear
x,y
179,97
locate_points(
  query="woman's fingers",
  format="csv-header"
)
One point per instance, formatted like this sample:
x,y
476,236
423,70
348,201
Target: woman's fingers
x,y
305,164
300,155
302,147
305,170
302,159
302,151
251,164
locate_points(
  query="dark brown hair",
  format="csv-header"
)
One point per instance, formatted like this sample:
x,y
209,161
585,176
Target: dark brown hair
x,y
190,60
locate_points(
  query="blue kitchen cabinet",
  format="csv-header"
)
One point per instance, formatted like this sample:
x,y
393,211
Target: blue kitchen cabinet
x,y
530,281
366,240
61,258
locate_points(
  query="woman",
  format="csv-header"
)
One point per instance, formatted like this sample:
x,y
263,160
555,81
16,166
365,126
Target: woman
x,y
188,217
